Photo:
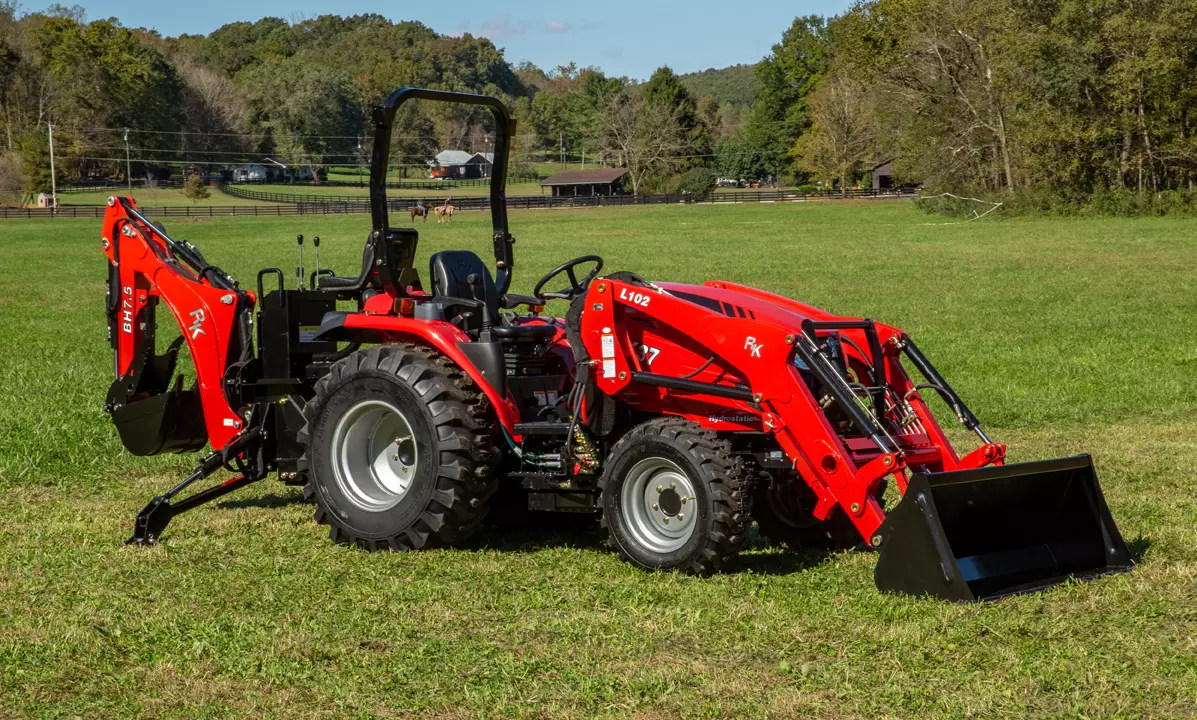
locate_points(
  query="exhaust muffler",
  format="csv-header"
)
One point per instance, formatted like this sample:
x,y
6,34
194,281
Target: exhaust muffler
x,y
982,534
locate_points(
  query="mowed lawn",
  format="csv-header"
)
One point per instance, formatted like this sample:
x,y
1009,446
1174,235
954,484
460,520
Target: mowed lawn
x,y
175,197
165,197
1065,336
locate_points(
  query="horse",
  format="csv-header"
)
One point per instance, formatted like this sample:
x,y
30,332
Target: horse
x,y
416,211
443,213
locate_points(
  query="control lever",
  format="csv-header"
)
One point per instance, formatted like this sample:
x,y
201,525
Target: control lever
x,y
299,270
472,280
316,243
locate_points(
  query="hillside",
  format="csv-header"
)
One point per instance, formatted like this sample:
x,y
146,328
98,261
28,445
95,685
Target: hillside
x,y
735,85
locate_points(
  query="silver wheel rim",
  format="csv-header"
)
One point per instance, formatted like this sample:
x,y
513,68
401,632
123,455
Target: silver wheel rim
x,y
658,505
374,456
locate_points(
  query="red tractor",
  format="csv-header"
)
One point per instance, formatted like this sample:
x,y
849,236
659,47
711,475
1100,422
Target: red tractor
x,y
679,414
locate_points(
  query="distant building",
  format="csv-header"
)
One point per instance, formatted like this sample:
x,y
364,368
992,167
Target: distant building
x,y
460,165
250,173
883,175
600,181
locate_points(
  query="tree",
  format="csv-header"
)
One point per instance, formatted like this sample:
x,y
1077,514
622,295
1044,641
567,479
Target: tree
x,y
643,136
666,91
310,111
196,188
841,134
735,160
787,76
12,179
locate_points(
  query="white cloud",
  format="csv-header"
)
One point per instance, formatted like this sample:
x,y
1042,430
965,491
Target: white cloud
x,y
499,27
557,27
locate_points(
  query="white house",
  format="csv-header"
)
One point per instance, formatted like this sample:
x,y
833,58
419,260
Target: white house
x,y
249,173
460,164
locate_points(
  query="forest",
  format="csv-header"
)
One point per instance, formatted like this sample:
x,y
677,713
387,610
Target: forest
x,y
1055,103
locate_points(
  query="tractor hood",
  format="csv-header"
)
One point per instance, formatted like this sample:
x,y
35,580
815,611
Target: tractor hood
x,y
741,301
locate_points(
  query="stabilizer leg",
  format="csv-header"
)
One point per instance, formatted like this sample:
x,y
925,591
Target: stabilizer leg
x,y
155,516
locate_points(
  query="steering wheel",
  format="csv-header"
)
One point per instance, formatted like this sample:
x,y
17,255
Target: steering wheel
x,y
575,288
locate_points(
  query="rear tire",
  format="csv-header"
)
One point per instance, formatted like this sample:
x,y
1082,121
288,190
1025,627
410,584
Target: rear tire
x,y
667,472
398,451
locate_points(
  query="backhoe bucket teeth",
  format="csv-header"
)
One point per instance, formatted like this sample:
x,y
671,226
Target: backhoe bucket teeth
x,y
982,534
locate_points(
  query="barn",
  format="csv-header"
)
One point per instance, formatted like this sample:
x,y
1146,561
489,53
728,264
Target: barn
x,y
459,164
572,183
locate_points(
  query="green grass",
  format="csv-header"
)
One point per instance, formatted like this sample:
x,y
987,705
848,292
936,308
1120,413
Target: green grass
x,y
172,197
513,188
1064,335
154,198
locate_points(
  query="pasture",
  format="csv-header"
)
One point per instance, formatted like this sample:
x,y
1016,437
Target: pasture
x,y
1065,336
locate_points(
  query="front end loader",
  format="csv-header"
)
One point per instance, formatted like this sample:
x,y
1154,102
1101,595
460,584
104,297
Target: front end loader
x,y
677,414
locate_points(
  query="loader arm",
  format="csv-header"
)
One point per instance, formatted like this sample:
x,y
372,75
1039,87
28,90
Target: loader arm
x,y
759,354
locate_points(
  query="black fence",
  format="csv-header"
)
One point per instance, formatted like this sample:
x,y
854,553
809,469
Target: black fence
x,y
414,184
350,206
523,201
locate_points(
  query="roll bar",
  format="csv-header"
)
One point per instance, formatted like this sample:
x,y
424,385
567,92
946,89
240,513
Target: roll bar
x,y
383,118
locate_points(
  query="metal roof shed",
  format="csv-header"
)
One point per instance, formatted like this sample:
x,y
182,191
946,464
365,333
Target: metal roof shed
x,y
600,181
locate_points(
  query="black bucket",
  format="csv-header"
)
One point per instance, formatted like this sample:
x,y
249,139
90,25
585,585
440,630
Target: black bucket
x,y
982,534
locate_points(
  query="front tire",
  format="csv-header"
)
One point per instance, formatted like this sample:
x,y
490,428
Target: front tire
x,y
675,497
398,450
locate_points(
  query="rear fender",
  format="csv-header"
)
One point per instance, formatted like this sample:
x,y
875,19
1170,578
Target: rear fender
x,y
444,337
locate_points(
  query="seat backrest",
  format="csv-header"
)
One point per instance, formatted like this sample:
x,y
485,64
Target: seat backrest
x,y
451,270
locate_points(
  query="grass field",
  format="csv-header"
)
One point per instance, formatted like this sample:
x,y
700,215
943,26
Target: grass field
x,y
173,197
513,188
1065,336
154,198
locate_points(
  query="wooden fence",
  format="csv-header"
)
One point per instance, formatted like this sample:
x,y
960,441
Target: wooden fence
x,y
332,205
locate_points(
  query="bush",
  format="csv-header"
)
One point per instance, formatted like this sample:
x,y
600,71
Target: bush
x,y
196,188
808,189
1054,202
697,181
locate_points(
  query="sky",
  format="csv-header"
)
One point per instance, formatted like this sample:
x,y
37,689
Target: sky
x,y
619,36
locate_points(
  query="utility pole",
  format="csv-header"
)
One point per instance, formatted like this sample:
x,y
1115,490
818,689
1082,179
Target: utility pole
x,y
128,167
53,178
583,157
562,150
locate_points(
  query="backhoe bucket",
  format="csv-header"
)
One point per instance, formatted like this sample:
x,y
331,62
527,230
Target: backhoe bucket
x,y
982,534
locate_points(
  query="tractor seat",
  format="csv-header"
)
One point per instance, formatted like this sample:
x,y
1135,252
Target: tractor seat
x,y
334,282
451,272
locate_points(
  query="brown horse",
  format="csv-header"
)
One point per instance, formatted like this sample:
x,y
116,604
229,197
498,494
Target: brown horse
x,y
418,212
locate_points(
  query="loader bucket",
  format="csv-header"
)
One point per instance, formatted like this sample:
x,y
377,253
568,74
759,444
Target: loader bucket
x,y
982,534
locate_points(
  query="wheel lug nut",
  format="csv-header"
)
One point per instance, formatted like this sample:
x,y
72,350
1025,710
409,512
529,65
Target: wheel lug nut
x,y
655,507
395,458
681,517
672,486
406,468
659,490
666,521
